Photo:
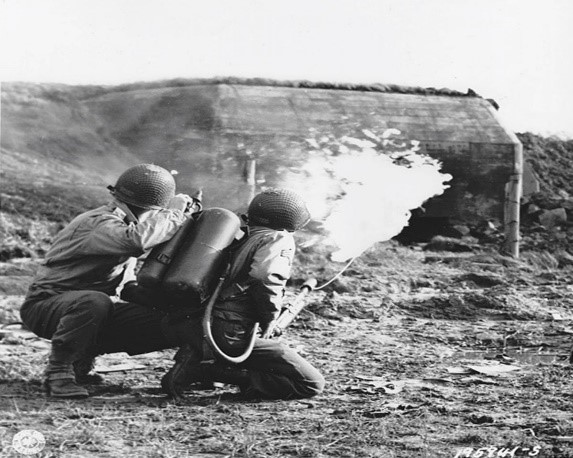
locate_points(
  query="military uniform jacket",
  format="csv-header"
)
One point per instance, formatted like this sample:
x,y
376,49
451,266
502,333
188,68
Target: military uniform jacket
x,y
97,248
260,268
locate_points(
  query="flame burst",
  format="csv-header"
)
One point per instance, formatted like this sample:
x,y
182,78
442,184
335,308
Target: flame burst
x,y
380,180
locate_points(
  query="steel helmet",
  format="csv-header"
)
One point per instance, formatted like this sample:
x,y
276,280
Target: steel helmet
x,y
279,209
146,186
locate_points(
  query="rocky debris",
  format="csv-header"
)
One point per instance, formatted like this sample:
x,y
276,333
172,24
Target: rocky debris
x,y
440,243
547,215
532,210
454,260
552,218
550,159
482,280
547,224
465,306
12,251
461,229
489,337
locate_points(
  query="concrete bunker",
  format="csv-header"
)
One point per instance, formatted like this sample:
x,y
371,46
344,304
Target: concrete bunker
x,y
219,117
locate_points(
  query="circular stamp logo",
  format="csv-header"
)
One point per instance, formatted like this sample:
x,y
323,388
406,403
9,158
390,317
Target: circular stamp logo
x,y
28,442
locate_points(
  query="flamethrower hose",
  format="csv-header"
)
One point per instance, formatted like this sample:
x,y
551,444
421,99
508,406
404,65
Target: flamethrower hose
x,y
337,275
290,312
208,335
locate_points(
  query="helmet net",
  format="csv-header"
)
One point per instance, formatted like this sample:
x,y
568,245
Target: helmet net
x,y
146,186
278,209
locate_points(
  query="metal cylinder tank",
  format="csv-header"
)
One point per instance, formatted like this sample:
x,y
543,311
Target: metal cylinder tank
x,y
157,262
201,256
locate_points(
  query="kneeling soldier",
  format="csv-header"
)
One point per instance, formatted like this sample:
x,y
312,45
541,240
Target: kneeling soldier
x,y
72,300
252,292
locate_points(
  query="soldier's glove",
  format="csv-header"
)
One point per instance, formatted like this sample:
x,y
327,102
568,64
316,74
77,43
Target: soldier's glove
x,y
268,329
180,202
196,205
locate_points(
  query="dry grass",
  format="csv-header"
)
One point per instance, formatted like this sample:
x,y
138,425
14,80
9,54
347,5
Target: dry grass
x,y
362,332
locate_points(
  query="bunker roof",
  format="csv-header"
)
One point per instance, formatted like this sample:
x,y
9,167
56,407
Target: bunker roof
x,y
419,116
259,106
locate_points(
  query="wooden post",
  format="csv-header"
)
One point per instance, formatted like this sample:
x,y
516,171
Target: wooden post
x,y
250,172
513,191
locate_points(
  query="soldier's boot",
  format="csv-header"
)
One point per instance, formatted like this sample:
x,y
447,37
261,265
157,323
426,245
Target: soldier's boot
x,y
185,371
63,384
82,370
188,370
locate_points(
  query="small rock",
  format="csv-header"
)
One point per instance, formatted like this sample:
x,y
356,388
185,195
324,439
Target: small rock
x,y
484,280
552,218
564,258
491,337
440,243
567,204
15,251
532,209
461,229
481,419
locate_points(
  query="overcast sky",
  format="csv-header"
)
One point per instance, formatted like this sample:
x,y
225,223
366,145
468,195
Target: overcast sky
x,y
519,52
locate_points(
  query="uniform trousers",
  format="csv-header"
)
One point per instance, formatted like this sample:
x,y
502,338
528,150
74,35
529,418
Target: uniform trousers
x,y
84,324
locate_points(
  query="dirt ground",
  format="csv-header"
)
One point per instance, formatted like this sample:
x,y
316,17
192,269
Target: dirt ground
x,y
426,354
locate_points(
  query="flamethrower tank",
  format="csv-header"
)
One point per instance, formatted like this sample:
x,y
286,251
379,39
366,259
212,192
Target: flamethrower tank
x,y
146,186
279,209
201,255
159,259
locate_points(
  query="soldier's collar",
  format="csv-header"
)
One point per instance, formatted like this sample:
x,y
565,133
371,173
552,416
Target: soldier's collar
x,y
124,212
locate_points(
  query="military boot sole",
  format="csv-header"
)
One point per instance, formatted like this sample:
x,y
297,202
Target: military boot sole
x,y
67,389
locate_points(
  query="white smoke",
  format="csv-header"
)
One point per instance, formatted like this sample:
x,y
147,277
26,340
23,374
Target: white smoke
x,y
379,179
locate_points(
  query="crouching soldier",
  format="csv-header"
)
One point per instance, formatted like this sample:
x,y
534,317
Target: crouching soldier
x,y
71,301
252,292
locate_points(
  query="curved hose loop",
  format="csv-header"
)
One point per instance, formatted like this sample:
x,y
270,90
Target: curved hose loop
x,y
337,275
208,335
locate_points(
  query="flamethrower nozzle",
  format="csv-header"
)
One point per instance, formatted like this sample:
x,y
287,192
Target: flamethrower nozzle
x,y
290,312
309,285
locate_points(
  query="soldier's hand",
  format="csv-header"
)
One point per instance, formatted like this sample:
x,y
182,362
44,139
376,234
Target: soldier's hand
x,y
180,202
268,329
197,204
